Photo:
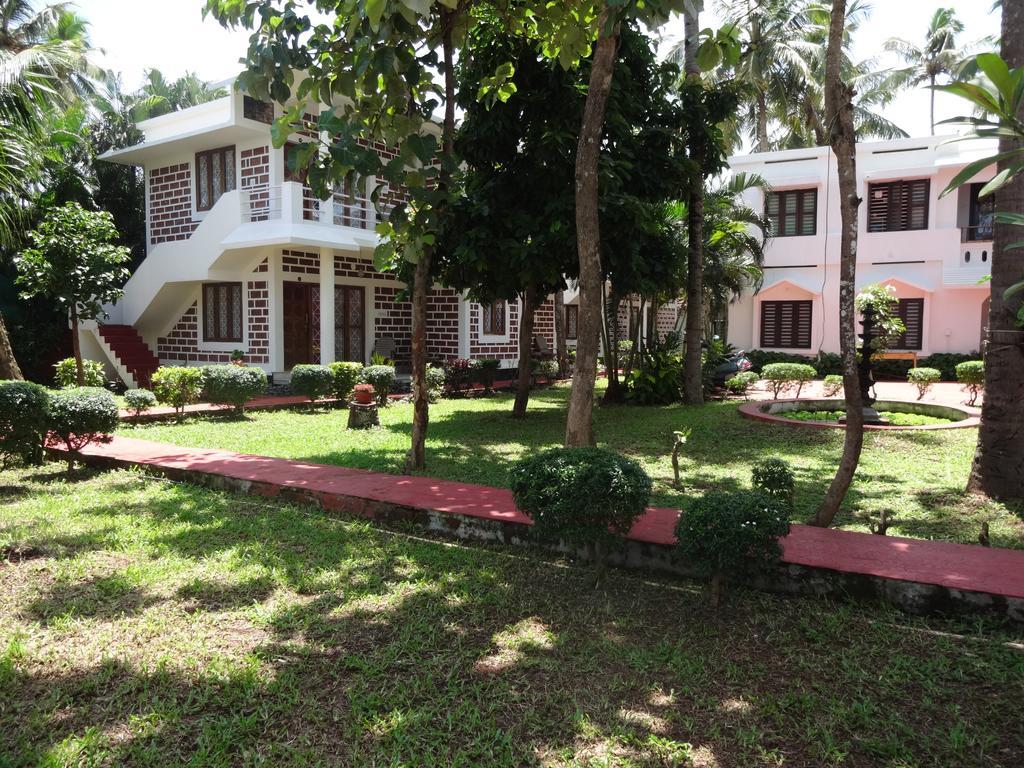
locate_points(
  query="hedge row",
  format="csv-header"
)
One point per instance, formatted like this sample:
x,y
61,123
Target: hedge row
x,y
826,363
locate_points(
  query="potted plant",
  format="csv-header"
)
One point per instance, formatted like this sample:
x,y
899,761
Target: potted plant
x,y
363,394
238,357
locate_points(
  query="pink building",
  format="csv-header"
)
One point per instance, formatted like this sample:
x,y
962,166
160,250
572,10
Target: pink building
x,y
934,251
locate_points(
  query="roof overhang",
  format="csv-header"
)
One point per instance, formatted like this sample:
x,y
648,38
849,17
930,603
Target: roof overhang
x,y
221,135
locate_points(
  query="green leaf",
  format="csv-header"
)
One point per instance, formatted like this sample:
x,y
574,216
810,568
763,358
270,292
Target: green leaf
x,y
374,12
971,169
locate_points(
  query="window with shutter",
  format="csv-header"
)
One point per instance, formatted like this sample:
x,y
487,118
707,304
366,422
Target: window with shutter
x,y
911,312
215,175
786,324
792,212
897,206
572,317
222,312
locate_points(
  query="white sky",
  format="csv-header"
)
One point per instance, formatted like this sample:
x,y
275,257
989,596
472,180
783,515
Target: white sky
x,y
172,36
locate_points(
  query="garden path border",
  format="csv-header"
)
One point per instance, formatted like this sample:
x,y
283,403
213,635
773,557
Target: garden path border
x,y
919,576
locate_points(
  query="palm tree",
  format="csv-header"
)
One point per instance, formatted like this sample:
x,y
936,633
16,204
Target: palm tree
x,y
44,66
158,96
939,56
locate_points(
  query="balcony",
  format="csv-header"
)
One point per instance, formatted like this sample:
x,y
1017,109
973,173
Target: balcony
x,y
295,203
982,233
973,266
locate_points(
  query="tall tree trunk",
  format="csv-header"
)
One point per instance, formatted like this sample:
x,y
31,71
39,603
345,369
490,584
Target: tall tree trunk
x,y
998,468
839,111
76,346
693,380
615,392
762,123
931,113
9,368
416,459
530,303
579,427
561,351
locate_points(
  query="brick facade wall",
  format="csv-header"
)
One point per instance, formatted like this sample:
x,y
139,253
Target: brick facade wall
x,y
496,351
443,324
255,170
170,204
300,263
183,344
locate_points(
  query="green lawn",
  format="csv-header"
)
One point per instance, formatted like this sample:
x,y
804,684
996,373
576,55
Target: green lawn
x,y
146,623
917,476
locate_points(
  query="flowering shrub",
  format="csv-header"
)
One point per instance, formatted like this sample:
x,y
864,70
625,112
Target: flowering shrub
x,y
459,373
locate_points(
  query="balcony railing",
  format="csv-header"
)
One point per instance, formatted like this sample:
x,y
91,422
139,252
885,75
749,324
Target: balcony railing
x,y
295,202
981,233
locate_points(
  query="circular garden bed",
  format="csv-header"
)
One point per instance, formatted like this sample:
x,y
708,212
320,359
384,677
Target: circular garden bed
x,y
822,413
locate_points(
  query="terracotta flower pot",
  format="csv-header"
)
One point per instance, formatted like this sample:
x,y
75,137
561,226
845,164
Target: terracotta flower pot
x,y
363,394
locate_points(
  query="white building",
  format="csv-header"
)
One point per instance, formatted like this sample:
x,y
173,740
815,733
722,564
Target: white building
x,y
934,251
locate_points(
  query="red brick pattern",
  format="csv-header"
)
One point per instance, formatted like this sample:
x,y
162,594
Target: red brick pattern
x,y
496,351
300,262
665,321
256,181
544,322
443,324
170,204
393,320
353,266
182,343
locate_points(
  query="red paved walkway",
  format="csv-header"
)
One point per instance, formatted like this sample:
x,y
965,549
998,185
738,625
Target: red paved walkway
x,y
957,566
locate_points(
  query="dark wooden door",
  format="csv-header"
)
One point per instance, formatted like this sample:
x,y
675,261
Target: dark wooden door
x,y
298,324
349,323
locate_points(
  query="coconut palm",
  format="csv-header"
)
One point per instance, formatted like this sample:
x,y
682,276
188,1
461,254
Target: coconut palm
x,y
939,57
44,66
159,96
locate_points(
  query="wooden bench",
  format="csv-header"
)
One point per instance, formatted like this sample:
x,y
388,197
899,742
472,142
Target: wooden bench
x,y
911,356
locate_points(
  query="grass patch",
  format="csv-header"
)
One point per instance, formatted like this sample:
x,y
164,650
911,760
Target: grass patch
x,y
917,476
162,624
897,419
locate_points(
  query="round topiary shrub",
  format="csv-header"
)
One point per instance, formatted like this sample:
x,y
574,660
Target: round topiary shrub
x,y
435,383
726,534
382,378
582,496
80,416
138,401
971,375
312,381
773,477
66,373
346,376
832,385
177,386
923,379
24,420
233,385
740,382
783,377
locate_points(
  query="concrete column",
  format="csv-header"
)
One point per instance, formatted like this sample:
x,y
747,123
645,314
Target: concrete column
x,y
291,202
326,306
276,311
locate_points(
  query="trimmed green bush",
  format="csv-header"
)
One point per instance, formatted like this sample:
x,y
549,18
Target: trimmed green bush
x,y
382,378
725,534
774,478
486,370
233,385
435,383
138,401
544,369
312,381
923,379
24,420
177,386
581,496
66,373
832,385
346,376
739,383
80,416
972,376
783,377
824,362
